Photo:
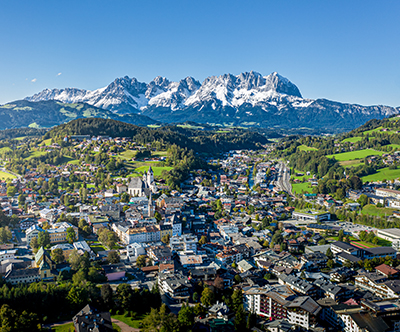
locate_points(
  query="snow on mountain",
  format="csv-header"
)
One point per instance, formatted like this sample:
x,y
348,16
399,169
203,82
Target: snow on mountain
x,y
228,90
249,99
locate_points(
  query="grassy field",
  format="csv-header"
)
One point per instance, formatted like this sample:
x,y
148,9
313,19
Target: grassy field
x,y
306,148
299,187
156,170
188,126
96,247
46,142
69,327
359,154
373,131
351,163
395,147
352,139
153,126
372,210
6,176
382,174
135,323
294,176
384,243
36,154
73,162
5,149
159,154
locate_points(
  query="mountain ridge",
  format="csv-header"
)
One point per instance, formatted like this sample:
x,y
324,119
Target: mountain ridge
x,y
248,99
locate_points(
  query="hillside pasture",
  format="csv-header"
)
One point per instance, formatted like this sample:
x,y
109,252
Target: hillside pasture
x,y
382,174
306,148
373,210
352,139
352,155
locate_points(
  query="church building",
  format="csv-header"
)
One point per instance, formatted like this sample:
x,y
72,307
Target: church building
x,y
143,187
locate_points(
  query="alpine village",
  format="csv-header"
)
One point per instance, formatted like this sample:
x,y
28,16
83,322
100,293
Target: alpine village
x,y
107,226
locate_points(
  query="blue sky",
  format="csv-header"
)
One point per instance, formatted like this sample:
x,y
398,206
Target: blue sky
x,y
346,51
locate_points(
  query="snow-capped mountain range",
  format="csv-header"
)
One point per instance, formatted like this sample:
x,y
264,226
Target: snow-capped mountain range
x,y
248,99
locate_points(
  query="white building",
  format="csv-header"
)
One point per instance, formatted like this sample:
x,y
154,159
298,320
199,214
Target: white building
x,y
7,254
186,243
134,250
32,232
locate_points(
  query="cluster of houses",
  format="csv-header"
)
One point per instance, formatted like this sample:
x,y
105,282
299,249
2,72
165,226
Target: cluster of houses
x,y
246,244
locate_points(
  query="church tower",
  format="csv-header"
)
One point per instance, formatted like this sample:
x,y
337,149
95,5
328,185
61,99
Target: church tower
x,y
150,176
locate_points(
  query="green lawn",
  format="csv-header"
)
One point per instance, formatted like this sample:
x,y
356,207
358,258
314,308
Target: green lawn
x,y
46,142
5,149
6,176
74,162
128,154
156,169
359,154
97,247
69,327
306,148
135,323
36,154
20,138
159,154
373,131
382,174
352,139
384,243
372,210
153,126
294,176
299,187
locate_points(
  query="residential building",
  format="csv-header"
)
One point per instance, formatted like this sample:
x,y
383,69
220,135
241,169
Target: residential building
x,y
90,319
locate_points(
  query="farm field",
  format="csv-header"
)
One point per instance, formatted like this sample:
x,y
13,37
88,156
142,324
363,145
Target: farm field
x,y
299,187
376,211
359,154
306,148
6,176
382,174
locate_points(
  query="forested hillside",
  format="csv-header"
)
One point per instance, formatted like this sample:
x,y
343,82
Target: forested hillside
x,y
213,141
